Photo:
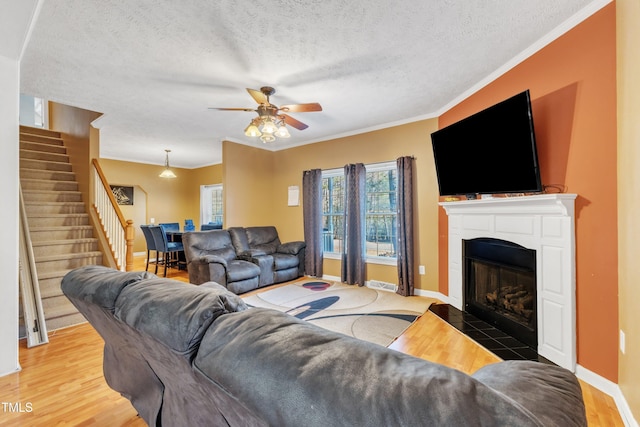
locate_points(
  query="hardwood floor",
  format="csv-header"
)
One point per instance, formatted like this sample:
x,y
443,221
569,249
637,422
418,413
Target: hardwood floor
x,y
61,383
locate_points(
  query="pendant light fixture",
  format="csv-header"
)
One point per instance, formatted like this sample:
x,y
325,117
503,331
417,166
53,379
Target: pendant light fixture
x,y
167,173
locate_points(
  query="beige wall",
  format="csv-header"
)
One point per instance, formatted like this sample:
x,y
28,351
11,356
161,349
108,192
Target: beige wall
x,y
257,181
248,189
165,200
628,65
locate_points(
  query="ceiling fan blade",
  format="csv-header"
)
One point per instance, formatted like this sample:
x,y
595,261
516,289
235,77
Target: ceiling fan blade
x,y
301,108
293,122
232,109
260,97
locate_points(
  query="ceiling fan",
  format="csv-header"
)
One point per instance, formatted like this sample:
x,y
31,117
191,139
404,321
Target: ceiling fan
x,y
271,119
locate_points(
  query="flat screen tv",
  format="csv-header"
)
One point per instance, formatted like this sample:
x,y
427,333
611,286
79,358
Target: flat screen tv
x,y
492,151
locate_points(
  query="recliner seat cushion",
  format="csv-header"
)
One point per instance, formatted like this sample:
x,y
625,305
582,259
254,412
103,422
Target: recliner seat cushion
x,y
238,269
283,262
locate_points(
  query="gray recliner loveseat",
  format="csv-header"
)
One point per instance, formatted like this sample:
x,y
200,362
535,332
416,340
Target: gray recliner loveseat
x,y
188,355
242,258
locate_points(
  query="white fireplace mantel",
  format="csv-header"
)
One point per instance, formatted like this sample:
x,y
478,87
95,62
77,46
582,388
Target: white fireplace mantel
x,y
545,223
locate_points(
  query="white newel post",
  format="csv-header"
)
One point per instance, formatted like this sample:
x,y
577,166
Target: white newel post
x,y
545,223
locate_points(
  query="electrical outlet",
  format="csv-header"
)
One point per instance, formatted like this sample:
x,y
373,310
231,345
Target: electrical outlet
x,y
622,341
421,269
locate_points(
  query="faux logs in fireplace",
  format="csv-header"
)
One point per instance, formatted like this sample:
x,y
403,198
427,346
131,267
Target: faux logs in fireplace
x,y
500,286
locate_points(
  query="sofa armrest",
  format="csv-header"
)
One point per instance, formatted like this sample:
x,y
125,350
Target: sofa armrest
x,y
292,248
250,254
213,259
551,393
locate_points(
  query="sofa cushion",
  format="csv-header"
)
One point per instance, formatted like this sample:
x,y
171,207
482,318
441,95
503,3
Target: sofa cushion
x,y
99,285
174,313
263,238
239,239
213,242
294,373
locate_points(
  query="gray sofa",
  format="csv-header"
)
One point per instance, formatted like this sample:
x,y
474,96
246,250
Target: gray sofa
x,y
242,258
197,356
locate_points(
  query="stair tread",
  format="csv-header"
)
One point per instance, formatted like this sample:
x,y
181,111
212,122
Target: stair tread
x,y
53,274
43,203
56,257
46,161
31,130
59,310
46,180
47,156
67,321
52,138
49,191
59,215
61,227
46,170
65,241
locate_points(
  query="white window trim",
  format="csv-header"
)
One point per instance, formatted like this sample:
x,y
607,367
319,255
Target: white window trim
x,y
205,208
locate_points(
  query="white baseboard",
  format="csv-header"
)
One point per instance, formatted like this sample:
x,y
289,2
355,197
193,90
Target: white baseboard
x,y
610,388
432,294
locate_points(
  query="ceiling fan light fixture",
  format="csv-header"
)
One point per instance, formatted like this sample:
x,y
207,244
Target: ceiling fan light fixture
x,y
266,138
269,127
271,120
282,132
252,130
167,173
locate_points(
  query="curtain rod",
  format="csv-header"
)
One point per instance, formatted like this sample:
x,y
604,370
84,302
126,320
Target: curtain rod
x,y
369,164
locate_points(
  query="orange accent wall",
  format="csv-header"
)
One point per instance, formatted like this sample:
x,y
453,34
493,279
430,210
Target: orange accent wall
x,y
573,89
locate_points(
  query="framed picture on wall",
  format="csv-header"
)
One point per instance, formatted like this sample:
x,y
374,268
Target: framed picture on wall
x,y
123,194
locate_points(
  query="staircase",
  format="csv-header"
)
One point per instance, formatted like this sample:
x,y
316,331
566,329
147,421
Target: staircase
x,y
62,236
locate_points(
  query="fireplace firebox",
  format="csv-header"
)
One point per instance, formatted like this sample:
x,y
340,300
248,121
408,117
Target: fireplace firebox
x,y
500,286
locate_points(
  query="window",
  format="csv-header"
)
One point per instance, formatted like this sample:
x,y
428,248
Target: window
x,y
211,204
380,212
333,211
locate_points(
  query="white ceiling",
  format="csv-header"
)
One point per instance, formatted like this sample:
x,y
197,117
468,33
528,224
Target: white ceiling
x,y
153,67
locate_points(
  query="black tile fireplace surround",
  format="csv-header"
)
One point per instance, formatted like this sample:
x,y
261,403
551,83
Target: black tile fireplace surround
x,y
499,279
491,338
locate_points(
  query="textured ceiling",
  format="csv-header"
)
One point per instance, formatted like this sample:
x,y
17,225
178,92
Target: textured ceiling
x,y
153,67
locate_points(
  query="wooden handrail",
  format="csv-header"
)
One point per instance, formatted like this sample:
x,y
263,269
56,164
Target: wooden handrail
x,y
105,184
121,239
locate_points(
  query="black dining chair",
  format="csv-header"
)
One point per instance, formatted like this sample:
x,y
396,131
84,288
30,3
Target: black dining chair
x,y
165,247
151,245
